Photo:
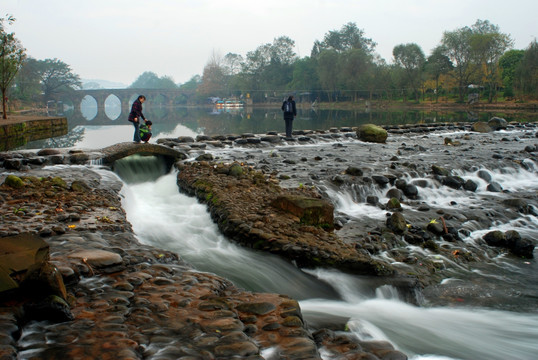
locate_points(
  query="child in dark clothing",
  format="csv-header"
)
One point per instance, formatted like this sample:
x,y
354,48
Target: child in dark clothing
x,y
145,131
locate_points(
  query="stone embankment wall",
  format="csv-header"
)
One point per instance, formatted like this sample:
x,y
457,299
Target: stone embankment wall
x,y
17,132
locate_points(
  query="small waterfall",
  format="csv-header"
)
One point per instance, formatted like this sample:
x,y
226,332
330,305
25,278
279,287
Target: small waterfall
x,y
137,168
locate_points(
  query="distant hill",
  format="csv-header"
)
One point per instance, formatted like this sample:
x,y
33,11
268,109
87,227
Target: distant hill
x,y
90,84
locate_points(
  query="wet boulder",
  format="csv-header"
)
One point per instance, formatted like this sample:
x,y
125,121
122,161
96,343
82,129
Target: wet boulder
x,y
511,240
13,164
497,123
372,133
470,185
393,204
495,238
395,193
17,255
53,308
454,182
354,171
484,175
481,127
14,181
494,187
79,158
397,223
438,170
411,191
381,180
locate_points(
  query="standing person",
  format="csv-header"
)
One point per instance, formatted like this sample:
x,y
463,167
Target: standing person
x,y
135,115
290,112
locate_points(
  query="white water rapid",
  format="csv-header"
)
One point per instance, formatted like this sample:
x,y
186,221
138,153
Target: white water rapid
x,y
164,218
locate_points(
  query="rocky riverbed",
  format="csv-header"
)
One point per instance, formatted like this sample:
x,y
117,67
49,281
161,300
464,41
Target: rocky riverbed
x,y
130,301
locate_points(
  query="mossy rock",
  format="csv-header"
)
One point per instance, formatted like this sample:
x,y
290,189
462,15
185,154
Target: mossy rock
x,y
236,170
481,127
372,133
394,203
80,186
397,223
58,181
14,181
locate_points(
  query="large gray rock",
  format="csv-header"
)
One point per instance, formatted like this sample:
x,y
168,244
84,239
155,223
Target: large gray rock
x,y
372,133
497,123
481,127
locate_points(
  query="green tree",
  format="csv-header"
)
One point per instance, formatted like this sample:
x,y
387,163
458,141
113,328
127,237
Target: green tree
x,y
269,67
27,86
488,44
526,73
508,64
12,54
411,58
56,77
150,80
347,38
438,64
355,71
456,46
328,72
305,75
232,63
192,84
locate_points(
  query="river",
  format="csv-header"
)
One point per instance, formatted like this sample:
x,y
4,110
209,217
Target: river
x,y
474,329
92,130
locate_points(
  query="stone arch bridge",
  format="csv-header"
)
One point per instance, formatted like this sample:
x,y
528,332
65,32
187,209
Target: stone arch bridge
x,y
156,97
119,151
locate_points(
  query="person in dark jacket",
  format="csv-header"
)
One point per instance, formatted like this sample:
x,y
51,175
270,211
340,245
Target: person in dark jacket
x,y
290,112
135,115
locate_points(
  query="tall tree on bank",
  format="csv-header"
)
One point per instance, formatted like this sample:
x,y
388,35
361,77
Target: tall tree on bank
x,y
457,48
56,77
347,38
213,78
488,44
438,64
27,86
12,55
527,71
411,58
508,64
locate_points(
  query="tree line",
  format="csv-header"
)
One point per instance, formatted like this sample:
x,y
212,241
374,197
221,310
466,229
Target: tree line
x,y
343,66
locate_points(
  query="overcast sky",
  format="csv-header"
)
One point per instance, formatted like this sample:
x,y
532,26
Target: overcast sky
x,y
117,40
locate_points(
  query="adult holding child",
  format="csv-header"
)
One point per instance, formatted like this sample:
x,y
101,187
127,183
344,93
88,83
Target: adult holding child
x,y
135,115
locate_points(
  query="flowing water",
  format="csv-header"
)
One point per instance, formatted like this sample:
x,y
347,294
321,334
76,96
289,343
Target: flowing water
x,y
163,217
495,317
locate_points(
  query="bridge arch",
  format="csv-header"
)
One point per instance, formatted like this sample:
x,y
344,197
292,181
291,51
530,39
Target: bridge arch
x,y
165,97
122,150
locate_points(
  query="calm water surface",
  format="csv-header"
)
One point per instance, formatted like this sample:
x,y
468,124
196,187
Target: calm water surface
x,y
95,130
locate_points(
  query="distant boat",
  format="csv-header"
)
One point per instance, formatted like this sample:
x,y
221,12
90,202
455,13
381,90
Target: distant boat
x,y
223,104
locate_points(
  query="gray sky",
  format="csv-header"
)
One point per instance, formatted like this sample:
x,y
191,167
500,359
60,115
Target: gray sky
x,y
117,40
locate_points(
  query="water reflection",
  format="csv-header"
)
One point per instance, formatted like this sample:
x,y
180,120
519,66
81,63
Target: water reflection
x,y
94,128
